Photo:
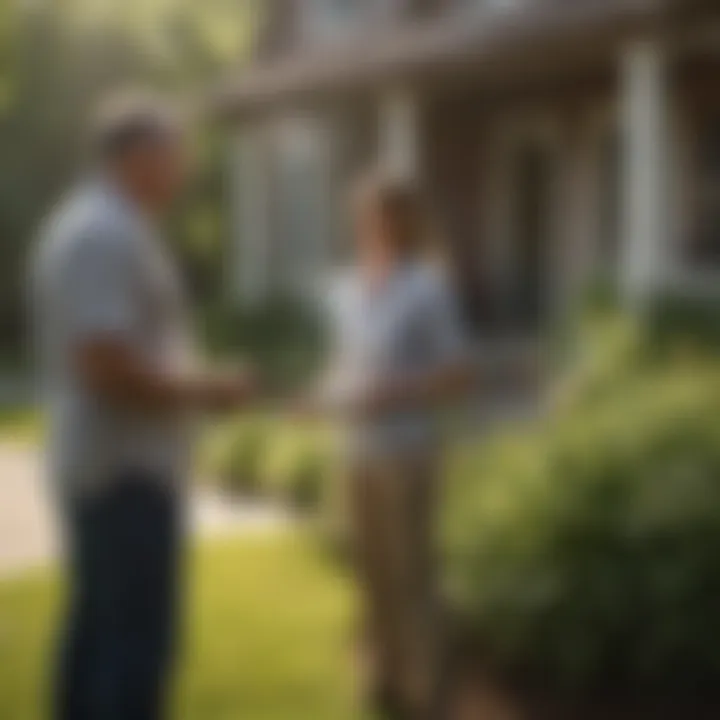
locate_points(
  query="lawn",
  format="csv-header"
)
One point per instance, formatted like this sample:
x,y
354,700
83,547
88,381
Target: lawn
x,y
267,636
20,424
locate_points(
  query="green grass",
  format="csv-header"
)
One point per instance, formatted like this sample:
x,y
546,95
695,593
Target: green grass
x,y
267,636
20,424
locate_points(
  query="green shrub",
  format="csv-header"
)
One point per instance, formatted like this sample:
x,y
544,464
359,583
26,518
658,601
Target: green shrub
x,y
299,465
275,458
609,351
605,349
587,549
235,454
687,324
674,323
284,337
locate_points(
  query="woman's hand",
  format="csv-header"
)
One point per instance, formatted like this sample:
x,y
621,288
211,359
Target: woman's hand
x,y
303,407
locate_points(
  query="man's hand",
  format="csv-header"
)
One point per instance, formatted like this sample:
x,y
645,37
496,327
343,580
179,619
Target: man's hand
x,y
228,391
116,373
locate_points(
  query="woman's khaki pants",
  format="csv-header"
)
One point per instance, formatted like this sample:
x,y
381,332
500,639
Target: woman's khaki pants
x,y
392,506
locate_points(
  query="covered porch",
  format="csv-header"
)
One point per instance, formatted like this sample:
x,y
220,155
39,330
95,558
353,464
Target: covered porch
x,y
572,162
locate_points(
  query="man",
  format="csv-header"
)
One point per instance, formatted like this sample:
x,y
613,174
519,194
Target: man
x,y
119,387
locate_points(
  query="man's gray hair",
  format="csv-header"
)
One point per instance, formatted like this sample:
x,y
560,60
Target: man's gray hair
x,y
125,120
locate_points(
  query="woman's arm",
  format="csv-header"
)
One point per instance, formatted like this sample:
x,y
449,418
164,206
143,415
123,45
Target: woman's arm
x,y
449,373
446,383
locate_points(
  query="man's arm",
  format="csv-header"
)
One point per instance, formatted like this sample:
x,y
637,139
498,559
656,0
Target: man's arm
x,y
112,370
99,290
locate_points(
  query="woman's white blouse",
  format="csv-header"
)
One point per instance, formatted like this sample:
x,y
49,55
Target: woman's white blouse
x,y
410,324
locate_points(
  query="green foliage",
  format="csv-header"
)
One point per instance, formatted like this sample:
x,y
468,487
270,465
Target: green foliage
x,y
284,337
674,322
299,465
609,350
276,458
685,324
20,424
236,451
265,637
587,548
56,59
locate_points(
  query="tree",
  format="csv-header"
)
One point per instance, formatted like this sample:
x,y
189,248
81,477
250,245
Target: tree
x,y
55,60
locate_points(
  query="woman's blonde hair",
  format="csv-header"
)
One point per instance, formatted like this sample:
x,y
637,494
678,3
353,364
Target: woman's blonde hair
x,y
401,205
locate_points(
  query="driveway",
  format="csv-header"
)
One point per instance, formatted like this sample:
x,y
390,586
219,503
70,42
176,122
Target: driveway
x,y
28,532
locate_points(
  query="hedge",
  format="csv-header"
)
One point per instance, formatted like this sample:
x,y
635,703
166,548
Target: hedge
x,y
273,457
585,549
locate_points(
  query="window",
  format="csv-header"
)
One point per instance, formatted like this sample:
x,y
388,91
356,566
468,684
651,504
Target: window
x,y
301,212
705,238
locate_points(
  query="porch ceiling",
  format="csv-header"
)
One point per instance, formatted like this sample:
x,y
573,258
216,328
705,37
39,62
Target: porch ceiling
x,y
499,45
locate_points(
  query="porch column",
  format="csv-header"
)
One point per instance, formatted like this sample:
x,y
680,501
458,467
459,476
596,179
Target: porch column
x,y
399,134
301,202
646,136
251,212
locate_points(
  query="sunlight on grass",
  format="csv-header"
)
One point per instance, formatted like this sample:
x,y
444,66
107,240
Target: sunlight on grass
x,y
20,424
267,637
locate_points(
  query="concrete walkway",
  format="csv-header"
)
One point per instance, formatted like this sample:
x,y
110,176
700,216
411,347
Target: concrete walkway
x,y
28,532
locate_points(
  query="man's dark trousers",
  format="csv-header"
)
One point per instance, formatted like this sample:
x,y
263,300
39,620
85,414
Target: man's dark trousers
x,y
125,550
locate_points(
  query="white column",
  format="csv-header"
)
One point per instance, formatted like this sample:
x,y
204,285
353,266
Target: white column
x,y
251,213
646,120
326,146
399,136
303,200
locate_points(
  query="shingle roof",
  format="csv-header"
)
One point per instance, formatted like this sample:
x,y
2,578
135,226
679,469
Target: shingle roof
x,y
435,47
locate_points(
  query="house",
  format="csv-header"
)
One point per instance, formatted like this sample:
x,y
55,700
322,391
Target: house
x,y
557,140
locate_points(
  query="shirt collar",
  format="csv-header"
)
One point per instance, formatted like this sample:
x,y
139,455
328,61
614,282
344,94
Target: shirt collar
x,y
397,274
111,191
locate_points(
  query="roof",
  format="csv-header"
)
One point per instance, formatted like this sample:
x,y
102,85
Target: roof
x,y
489,43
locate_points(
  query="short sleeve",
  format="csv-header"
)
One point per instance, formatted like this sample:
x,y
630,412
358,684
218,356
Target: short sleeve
x,y
97,286
444,326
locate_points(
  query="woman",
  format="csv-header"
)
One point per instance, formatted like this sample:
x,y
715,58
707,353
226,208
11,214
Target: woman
x,y
398,354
